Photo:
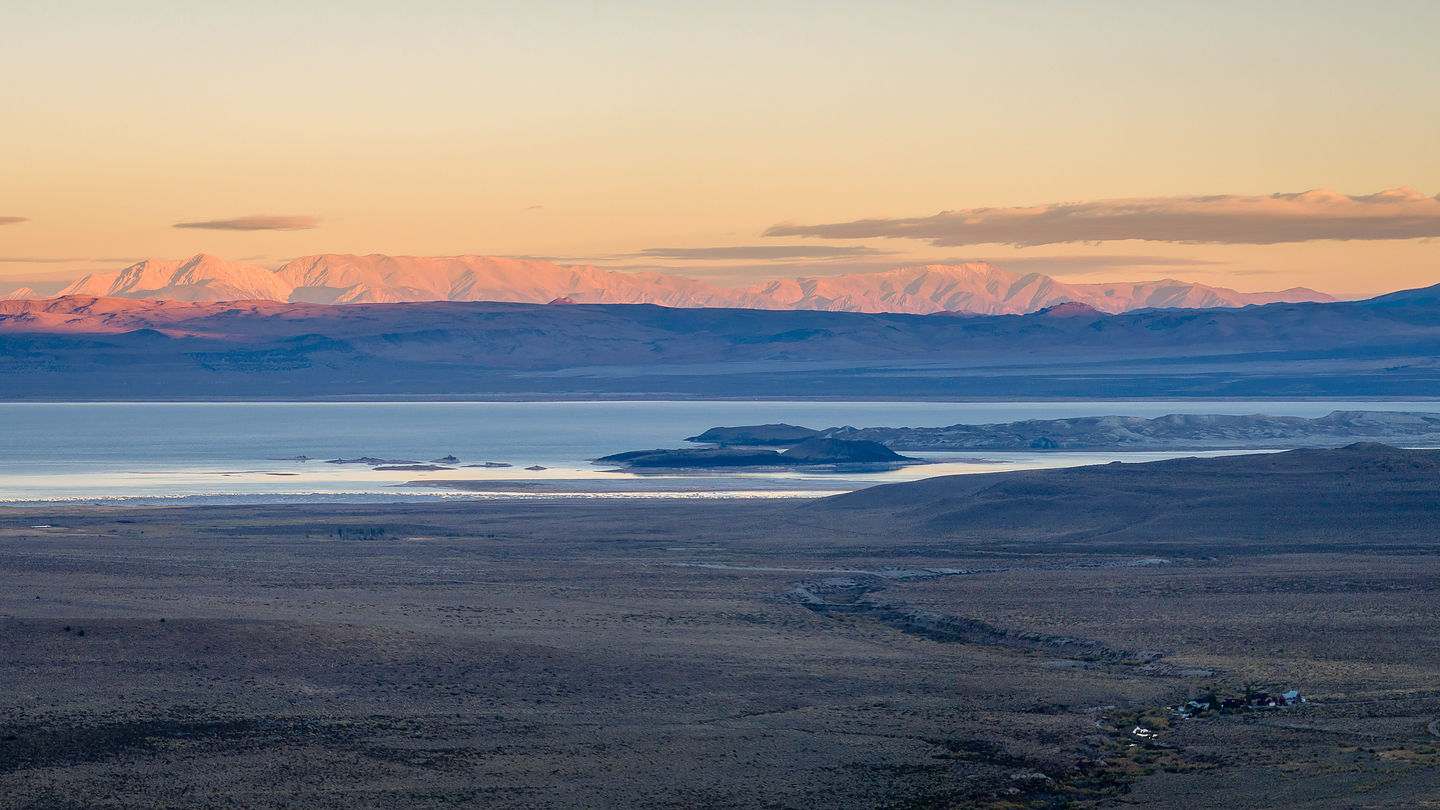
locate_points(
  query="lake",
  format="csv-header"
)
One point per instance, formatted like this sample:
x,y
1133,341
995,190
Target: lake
x,y
242,452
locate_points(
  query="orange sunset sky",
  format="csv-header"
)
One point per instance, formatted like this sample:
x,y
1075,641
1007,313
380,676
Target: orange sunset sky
x,y
732,141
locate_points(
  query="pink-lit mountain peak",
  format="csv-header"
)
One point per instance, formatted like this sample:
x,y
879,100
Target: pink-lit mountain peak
x,y
349,279
344,278
986,289
199,278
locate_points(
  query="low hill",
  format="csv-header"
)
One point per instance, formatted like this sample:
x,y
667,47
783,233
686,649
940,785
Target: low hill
x,y
1358,497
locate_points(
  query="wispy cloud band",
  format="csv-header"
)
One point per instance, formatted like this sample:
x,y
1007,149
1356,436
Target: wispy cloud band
x,y
1401,213
65,259
759,252
257,222
13,220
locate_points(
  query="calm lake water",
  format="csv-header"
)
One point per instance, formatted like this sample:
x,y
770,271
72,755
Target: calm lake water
x,y
237,452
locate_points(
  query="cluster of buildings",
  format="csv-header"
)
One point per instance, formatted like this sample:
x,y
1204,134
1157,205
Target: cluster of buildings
x,y
1251,700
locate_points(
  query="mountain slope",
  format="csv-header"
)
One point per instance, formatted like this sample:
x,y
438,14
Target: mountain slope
x,y
334,278
199,278
988,290
348,279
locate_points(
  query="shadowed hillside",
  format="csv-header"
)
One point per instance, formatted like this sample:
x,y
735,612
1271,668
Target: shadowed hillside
x,y
1364,495
108,348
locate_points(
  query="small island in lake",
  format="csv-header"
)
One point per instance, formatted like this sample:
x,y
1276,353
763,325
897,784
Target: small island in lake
x,y
815,451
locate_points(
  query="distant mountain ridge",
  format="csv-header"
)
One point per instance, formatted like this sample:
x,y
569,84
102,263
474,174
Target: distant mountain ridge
x,y
89,347
22,294
972,288
984,289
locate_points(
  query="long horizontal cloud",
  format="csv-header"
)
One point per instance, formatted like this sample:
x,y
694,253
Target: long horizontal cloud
x,y
742,252
1045,265
258,222
1060,265
12,220
66,259
1401,213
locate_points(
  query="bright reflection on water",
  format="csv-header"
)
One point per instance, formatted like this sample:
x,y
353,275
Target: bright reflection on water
x,y
234,452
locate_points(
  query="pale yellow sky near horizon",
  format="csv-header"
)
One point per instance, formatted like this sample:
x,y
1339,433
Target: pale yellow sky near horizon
x,y
638,134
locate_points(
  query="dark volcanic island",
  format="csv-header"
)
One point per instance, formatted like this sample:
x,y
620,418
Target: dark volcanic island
x,y
1247,631
811,452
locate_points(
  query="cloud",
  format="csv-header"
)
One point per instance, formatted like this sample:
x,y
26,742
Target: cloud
x,y
258,222
1401,213
868,261
751,272
64,260
759,252
1062,265
758,270
13,220
45,287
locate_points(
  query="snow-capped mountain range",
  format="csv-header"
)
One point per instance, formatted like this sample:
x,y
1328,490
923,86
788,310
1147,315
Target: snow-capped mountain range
x,y
348,279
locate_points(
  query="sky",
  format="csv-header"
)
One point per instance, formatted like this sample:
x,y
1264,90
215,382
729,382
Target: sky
x,y
734,141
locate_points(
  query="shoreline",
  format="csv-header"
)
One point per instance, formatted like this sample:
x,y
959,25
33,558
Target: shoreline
x,y
415,399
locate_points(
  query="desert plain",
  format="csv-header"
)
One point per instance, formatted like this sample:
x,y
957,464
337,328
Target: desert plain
x,y
973,641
